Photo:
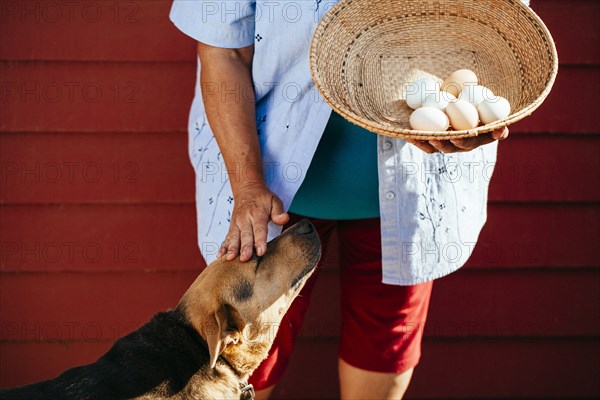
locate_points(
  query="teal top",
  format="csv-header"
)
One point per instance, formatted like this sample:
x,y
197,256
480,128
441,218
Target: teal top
x,y
341,181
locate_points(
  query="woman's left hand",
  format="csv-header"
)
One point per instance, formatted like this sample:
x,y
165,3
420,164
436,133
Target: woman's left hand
x,y
459,145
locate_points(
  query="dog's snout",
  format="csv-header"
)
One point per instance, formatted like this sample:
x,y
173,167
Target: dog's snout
x,y
305,227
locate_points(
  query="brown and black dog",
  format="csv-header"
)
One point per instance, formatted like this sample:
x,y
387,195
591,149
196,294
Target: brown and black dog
x,y
206,347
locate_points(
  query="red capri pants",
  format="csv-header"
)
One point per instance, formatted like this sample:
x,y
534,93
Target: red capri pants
x,y
382,325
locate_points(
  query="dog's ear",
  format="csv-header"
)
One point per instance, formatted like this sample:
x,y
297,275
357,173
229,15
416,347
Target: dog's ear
x,y
223,327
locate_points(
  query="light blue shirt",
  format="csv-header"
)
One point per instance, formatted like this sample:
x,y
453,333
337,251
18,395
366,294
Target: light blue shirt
x,y
432,206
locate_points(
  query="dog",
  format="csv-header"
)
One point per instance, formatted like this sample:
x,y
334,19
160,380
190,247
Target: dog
x,y
206,347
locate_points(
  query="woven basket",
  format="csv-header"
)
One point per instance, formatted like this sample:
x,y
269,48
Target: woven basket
x,y
364,52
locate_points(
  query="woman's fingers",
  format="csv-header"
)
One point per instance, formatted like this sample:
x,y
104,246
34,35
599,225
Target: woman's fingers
x,y
247,240
259,227
500,134
231,246
240,241
471,143
224,246
423,145
223,249
277,214
444,146
249,224
460,145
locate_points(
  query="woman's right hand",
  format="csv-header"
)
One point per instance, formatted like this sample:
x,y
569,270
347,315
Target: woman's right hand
x,y
254,206
233,122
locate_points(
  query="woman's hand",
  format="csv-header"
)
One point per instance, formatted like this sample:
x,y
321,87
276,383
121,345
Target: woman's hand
x,y
459,145
254,205
233,122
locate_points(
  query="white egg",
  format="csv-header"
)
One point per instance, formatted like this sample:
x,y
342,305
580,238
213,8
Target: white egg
x,y
475,94
494,109
429,119
462,114
417,91
438,100
458,80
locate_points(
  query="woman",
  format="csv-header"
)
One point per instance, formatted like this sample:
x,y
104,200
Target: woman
x,y
406,213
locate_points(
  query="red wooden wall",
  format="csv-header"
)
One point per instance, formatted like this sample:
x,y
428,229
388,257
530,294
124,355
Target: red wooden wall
x,y
97,221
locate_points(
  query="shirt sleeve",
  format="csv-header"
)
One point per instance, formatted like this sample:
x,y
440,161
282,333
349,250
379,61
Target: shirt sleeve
x,y
227,23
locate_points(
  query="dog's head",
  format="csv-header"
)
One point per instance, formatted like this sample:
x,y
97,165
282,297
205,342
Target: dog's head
x,y
237,306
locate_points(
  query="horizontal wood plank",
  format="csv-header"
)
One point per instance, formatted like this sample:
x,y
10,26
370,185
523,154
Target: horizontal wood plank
x,y
473,369
65,168
149,168
482,369
539,236
163,237
135,30
137,97
99,237
50,30
89,307
559,115
96,97
573,28
549,169
92,307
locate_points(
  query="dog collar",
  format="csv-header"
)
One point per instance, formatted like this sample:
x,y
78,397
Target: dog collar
x,y
247,391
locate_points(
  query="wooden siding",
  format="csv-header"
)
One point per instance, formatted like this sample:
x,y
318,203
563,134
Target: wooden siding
x,y
98,231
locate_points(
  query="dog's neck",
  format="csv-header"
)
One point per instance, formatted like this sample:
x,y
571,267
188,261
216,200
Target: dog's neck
x,y
242,357
246,390
238,364
246,356
242,360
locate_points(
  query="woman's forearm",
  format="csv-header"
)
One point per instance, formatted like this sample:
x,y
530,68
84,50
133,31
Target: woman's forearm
x,y
229,101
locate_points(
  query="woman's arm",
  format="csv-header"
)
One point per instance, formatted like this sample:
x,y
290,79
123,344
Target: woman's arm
x,y
229,101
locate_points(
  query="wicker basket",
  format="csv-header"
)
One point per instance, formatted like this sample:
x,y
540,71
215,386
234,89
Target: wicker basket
x,y
364,52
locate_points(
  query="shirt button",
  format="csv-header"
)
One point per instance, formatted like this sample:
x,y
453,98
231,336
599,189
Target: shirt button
x,y
390,195
387,145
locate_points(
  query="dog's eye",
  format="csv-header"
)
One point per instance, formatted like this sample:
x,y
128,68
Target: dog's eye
x,y
258,261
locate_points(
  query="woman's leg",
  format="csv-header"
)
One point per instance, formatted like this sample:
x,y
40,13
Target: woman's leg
x,y
265,393
356,383
382,325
